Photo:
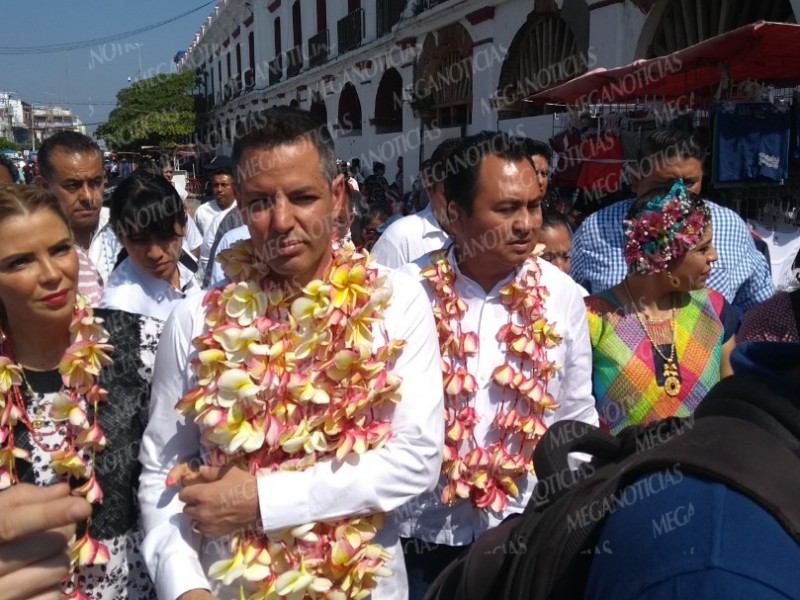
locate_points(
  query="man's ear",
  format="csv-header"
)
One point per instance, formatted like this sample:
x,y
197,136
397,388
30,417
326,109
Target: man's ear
x,y
455,215
338,192
42,182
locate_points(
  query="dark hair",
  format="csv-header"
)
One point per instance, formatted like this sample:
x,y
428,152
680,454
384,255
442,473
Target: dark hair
x,y
146,203
66,141
6,162
284,125
551,218
373,213
148,168
220,172
669,144
440,157
378,166
539,148
462,169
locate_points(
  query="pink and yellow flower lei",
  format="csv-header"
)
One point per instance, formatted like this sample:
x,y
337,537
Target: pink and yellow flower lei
x,y
80,369
285,381
487,476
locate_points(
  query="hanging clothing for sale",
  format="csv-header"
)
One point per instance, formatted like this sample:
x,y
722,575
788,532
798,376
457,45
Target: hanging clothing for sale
x,y
567,146
784,247
602,164
751,142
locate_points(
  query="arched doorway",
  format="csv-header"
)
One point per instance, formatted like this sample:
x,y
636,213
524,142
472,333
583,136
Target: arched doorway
x,y
543,53
349,120
673,25
318,109
389,103
443,85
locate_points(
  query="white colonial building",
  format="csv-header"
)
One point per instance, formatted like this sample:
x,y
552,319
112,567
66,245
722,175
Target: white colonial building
x,y
393,77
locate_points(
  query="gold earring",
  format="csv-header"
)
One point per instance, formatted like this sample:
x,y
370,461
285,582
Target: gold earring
x,y
673,281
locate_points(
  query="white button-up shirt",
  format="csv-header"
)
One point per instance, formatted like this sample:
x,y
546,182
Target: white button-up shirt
x,y
229,239
409,238
378,481
134,291
210,234
427,518
205,214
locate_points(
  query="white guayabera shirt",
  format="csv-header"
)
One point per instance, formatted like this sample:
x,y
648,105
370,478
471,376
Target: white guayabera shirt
x,y
134,291
427,518
409,238
378,481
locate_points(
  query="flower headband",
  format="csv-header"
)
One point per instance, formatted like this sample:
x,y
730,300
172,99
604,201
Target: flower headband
x,y
663,230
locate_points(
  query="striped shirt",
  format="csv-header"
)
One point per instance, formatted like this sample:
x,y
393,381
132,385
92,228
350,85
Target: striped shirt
x,y
89,282
741,274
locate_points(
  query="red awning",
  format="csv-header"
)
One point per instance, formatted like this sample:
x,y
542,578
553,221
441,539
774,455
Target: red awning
x,y
765,52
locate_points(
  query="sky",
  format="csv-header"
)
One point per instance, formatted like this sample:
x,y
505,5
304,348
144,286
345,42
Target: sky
x,y
87,80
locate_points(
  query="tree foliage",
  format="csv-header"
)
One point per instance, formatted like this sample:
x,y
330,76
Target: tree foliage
x,y
6,144
159,111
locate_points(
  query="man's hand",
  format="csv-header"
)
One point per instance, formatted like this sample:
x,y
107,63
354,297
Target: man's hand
x,y
197,595
219,500
36,526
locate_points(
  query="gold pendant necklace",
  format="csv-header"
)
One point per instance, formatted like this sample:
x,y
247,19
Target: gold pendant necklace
x,y
672,381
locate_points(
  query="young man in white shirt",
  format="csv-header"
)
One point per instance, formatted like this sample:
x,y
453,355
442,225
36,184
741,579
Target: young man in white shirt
x,y
415,235
222,188
515,351
288,191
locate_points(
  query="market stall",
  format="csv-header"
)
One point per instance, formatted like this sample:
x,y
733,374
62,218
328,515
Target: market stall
x,y
739,90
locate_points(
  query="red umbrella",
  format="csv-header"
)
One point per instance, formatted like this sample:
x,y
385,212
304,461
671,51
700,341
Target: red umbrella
x,y
764,51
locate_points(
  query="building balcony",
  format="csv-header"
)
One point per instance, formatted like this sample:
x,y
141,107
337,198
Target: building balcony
x,y
318,46
389,13
249,79
423,5
275,70
294,58
351,31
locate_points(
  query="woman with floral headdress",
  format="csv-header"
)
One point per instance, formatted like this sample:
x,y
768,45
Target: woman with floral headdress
x,y
72,391
660,339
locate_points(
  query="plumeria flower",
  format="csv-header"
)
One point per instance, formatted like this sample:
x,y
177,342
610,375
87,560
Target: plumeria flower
x,y
67,462
87,328
5,478
246,303
236,341
90,490
87,552
10,375
235,385
239,262
82,363
348,285
92,437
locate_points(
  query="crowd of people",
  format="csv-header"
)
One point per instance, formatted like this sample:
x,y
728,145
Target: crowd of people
x,y
319,385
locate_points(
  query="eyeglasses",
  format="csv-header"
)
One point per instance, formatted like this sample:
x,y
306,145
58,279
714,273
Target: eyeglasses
x,y
554,256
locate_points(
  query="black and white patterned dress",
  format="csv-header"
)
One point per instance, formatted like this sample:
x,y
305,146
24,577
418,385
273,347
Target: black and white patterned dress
x,y
114,522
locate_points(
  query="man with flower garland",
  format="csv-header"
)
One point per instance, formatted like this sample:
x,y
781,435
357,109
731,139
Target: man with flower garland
x,y
311,388
515,351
